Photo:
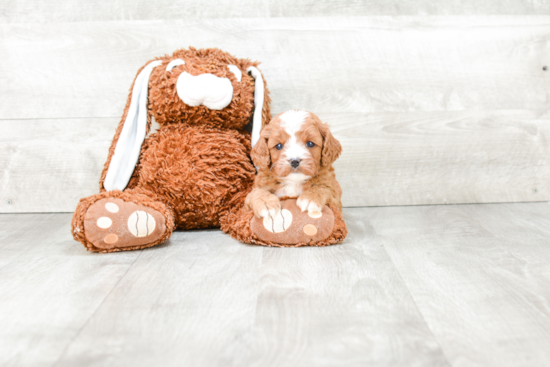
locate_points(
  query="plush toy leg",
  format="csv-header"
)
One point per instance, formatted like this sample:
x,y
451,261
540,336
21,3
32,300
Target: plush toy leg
x,y
292,228
119,221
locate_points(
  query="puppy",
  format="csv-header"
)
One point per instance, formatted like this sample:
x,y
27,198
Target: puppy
x,y
294,157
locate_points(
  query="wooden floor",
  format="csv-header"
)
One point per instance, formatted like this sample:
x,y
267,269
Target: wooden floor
x,y
458,285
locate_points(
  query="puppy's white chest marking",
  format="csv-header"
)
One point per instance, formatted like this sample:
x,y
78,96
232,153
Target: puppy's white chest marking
x,y
292,185
290,189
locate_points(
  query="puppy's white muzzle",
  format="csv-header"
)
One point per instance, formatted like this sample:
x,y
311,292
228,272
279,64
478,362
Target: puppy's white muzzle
x,y
205,89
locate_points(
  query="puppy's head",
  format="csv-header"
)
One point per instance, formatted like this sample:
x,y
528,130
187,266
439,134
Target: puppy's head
x,y
295,142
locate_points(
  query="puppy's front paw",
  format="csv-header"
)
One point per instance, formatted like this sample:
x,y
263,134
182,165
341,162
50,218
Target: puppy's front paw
x,y
310,203
268,205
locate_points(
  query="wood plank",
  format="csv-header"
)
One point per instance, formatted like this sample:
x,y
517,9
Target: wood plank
x,y
434,285
206,300
522,224
336,64
185,303
50,286
388,159
442,157
337,306
48,165
485,296
28,11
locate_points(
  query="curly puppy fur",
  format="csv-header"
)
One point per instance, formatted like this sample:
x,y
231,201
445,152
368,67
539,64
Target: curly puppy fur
x,y
294,156
197,165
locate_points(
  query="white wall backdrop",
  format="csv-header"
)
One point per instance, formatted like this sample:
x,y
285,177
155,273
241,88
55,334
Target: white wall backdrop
x,y
432,104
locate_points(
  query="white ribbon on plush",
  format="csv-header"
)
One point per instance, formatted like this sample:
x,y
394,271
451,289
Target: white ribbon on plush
x,y
235,70
172,64
258,104
132,135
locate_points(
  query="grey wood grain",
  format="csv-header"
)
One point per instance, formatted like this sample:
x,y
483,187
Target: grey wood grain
x,y
206,300
388,159
442,157
334,64
460,285
50,286
26,11
48,165
522,224
480,276
187,303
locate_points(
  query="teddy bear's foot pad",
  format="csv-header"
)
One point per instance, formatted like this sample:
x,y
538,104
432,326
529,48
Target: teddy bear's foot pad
x,y
114,223
292,226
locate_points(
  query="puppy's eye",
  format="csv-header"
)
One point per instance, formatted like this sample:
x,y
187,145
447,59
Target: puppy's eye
x,y
279,146
310,144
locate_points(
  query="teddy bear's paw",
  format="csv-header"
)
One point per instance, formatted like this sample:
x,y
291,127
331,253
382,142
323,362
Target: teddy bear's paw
x,y
114,223
291,226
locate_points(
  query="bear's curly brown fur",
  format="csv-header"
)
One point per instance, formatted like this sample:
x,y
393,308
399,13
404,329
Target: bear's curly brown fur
x,y
197,166
194,172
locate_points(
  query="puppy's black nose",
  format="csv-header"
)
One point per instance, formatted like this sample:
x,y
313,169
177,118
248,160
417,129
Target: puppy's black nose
x,y
294,162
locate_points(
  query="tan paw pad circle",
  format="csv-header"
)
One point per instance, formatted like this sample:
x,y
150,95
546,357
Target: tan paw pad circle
x,y
315,214
104,222
310,230
112,207
110,238
141,224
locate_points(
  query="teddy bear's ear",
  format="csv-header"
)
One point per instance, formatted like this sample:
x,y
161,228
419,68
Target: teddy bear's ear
x,y
262,114
133,133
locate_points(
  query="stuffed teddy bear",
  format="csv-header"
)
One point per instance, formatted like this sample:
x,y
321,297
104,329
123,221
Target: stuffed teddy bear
x,y
196,170
190,172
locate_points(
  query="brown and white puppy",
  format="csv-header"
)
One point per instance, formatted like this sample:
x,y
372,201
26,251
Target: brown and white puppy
x,y
294,157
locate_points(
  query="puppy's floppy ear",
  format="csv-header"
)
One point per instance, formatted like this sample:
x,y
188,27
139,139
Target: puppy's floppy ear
x,y
260,153
331,146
